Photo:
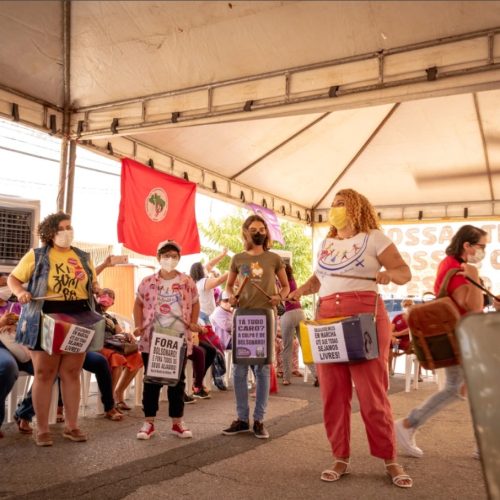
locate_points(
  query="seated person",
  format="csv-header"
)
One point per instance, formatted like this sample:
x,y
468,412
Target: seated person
x,y
10,366
124,367
401,343
95,363
222,321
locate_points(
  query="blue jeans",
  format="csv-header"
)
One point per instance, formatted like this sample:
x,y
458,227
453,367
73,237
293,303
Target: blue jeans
x,y
454,379
240,380
9,371
95,363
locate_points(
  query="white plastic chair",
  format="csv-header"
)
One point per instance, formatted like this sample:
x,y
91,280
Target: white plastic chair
x,y
19,391
411,361
85,378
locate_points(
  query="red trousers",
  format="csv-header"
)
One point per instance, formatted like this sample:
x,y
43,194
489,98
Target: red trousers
x,y
370,379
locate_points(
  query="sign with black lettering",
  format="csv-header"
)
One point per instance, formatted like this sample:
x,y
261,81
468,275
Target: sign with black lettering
x,y
165,358
327,343
251,336
77,339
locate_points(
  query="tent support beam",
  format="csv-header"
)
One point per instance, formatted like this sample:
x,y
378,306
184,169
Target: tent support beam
x,y
71,176
173,165
359,153
308,88
485,145
66,127
280,145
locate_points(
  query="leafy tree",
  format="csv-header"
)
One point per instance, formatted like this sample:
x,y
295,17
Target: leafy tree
x,y
226,232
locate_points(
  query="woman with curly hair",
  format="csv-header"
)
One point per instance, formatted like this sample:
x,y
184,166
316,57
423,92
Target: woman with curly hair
x,y
65,277
356,247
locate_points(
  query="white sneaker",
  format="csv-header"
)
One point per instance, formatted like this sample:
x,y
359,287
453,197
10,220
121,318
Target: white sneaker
x,y
147,430
406,440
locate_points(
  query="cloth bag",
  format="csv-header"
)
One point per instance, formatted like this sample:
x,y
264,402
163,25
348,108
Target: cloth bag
x,y
7,337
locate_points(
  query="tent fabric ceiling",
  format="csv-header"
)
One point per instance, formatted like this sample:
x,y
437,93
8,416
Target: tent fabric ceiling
x,y
443,150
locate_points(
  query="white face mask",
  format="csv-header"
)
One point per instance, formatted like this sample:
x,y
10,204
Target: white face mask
x,y
64,238
5,293
168,263
477,257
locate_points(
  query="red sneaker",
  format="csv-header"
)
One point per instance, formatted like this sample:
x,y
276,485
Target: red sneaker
x,y
147,430
180,431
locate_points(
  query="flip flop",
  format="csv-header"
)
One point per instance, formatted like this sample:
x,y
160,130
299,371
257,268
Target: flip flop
x,y
22,430
121,405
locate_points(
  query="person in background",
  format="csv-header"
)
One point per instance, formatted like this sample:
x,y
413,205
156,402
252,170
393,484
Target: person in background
x,y
261,267
356,246
467,247
62,279
401,343
222,321
167,302
10,366
290,323
206,285
124,367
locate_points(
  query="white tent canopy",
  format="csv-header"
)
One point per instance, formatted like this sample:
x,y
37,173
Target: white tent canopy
x,y
281,103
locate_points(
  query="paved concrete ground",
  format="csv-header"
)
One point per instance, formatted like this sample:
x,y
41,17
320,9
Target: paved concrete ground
x,y
114,464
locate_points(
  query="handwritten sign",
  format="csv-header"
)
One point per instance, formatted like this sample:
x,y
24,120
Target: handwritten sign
x,y
328,343
165,357
77,339
251,336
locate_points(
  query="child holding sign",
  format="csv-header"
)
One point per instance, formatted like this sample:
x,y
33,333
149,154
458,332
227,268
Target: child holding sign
x,y
258,268
166,311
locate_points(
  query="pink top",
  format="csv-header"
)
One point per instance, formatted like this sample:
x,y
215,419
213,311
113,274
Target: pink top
x,y
148,295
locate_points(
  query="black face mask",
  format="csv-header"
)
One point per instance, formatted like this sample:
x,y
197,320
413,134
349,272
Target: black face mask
x,y
258,238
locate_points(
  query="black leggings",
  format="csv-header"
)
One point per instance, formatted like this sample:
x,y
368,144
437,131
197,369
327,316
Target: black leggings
x,y
151,395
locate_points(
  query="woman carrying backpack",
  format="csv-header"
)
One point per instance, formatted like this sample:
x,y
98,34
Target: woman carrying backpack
x,y
467,247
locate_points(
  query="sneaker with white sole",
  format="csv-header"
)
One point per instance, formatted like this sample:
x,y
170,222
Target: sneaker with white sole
x,y
236,427
406,439
180,431
259,430
147,430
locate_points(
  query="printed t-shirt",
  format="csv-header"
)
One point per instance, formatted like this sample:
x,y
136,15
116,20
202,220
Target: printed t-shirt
x,y
206,297
262,270
66,275
354,256
168,314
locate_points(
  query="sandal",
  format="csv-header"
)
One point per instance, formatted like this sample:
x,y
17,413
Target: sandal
x,y
331,475
399,479
113,415
23,425
286,382
43,439
121,405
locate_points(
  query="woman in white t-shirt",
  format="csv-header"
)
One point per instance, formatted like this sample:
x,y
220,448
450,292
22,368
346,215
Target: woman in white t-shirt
x,y
355,246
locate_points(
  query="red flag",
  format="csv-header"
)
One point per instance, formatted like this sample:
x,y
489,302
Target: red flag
x,y
154,207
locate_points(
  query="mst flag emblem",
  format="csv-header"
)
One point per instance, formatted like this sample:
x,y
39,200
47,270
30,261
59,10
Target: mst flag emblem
x,y
154,207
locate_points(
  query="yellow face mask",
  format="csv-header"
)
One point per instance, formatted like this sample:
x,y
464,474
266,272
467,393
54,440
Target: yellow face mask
x,y
337,217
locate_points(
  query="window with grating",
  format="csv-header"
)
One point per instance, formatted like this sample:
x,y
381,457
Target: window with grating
x,y
16,231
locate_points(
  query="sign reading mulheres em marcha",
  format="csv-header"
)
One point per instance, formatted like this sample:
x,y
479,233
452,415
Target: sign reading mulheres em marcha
x,y
328,343
251,336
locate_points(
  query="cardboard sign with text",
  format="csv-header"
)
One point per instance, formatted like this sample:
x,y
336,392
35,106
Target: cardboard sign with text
x,y
166,359
339,340
253,336
64,333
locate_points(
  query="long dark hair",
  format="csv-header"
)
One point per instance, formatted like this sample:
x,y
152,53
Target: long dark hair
x,y
289,271
197,272
466,234
48,228
268,242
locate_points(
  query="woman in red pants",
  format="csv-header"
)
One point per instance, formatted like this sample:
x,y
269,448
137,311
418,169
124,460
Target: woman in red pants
x,y
355,246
